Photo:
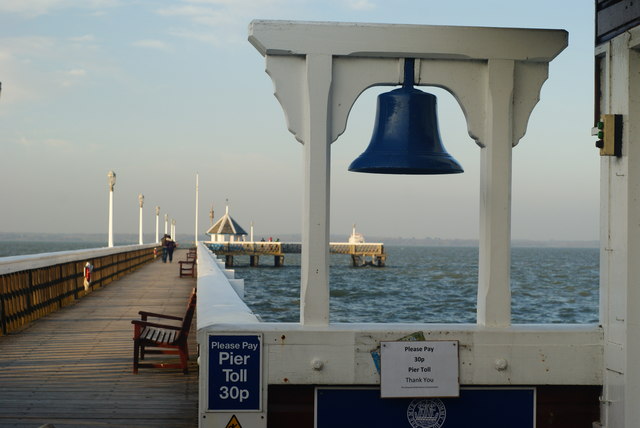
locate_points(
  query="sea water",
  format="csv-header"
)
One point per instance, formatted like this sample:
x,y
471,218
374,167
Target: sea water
x,y
418,284
432,285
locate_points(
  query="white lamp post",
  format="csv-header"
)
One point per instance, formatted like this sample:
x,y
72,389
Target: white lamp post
x,y
173,229
141,200
195,236
157,221
112,182
166,223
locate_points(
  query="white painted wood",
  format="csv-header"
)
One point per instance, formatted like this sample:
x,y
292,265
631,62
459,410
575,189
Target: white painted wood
x,y
35,261
319,70
620,235
398,40
494,268
534,354
218,302
314,288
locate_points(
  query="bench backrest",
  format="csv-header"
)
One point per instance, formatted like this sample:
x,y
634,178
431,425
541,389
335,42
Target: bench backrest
x,y
188,316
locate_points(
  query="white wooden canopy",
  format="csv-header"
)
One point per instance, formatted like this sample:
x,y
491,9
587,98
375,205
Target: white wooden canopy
x,y
319,69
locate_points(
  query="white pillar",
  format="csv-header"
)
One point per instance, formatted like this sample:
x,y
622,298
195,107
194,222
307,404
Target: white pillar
x,y
157,222
494,266
141,201
166,223
314,292
620,234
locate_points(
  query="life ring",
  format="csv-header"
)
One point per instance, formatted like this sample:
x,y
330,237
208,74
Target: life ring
x,y
88,268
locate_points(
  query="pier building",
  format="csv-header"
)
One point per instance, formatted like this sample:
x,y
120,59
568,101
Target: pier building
x,y
226,229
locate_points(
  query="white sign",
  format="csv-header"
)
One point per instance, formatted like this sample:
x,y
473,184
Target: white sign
x,y
419,369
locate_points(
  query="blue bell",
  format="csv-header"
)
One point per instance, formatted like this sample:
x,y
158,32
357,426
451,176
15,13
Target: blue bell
x,y
406,139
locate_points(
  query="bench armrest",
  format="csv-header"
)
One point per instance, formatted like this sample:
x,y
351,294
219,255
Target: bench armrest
x,y
145,314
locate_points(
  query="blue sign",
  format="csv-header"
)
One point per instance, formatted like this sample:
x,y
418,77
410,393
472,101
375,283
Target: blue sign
x,y
235,375
476,407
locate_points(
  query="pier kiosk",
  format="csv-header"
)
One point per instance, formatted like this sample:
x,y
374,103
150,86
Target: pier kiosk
x,y
317,373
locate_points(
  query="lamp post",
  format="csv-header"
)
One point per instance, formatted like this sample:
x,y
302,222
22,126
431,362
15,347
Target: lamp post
x,y
112,182
166,223
157,221
173,229
141,201
195,236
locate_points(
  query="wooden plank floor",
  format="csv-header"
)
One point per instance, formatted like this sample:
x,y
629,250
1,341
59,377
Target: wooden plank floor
x,y
73,368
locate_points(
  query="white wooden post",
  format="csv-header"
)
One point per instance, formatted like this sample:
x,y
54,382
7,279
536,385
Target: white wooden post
x,y
620,235
314,292
494,267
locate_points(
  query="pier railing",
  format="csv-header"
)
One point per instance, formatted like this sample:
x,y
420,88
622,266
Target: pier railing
x,y
272,248
33,286
359,252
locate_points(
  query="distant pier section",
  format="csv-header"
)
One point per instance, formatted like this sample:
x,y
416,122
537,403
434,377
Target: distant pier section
x,y
228,239
361,253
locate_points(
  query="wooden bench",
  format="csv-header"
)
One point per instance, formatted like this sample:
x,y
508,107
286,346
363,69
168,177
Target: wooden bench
x,y
187,268
156,338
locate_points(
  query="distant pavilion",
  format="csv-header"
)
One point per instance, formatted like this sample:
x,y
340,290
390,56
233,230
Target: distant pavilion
x,y
227,230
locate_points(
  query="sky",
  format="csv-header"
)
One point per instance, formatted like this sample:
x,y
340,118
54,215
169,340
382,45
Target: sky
x,y
159,91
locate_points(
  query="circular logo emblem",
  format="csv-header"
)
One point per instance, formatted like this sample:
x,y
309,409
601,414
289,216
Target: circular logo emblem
x,y
426,413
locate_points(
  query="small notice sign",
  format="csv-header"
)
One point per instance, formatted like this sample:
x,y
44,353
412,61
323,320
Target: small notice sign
x,y
419,369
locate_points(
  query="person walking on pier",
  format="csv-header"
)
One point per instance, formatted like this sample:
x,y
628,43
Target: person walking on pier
x,y
165,250
171,245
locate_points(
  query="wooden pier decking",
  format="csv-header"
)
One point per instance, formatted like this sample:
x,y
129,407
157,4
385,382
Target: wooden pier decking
x,y
73,368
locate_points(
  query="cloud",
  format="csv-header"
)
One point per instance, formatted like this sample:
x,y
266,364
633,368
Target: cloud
x,y
33,8
201,15
152,44
83,38
221,21
24,141
203,37
72,77
79,72
57,144
360,5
